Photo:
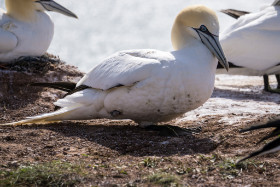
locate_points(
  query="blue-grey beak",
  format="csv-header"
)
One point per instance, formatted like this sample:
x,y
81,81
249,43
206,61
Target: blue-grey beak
x,y
51,5
212,42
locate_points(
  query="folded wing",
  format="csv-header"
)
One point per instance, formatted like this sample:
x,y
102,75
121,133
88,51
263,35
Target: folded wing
x,y
8,41
125,68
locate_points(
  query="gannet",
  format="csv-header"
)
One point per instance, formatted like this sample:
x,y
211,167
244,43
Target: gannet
x,y
25,28
272,146
253,42
148,85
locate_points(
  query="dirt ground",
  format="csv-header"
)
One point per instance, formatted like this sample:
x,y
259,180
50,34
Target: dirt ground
x,y
119,153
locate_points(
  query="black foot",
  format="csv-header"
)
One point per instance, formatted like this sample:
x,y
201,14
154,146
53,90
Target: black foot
x,y
266,83
168,130
273,90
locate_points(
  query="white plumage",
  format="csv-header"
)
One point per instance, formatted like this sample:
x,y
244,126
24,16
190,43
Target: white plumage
x,y
253,42
25,29
150,85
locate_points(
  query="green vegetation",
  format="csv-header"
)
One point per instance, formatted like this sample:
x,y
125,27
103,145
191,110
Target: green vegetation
x,y
48,174
230,169
163,179
150,162
155,172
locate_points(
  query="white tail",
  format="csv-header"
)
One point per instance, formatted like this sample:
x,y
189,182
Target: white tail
x,y
82,105
56,116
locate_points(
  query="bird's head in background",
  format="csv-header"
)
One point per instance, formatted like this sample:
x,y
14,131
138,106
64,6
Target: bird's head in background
x,y
25,10
198,23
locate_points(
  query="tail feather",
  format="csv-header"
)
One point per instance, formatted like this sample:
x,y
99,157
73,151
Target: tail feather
x,y
234,13
274,133
62,114
268,148
82,105
68,87
64,86
274,123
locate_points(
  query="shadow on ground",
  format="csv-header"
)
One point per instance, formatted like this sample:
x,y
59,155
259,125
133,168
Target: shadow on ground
x,y
123,137
242,95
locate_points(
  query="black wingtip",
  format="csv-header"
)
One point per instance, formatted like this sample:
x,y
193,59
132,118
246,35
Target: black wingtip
x,y
273,123
268,148
255,127
64,86
274,133
234,13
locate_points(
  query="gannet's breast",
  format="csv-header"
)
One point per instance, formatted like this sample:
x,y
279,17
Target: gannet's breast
x,y
25,38
153,85
254,40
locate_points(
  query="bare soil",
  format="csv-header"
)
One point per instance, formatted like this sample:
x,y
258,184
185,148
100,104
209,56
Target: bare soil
x,y
119,153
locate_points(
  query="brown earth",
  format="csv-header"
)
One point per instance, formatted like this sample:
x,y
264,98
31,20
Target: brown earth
x,y
119,153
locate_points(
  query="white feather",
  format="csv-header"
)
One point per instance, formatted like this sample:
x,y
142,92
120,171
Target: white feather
x,y
19,38
147,85
253,41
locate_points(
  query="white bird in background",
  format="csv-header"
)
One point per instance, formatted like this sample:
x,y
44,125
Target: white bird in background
x,y
148,86
25,29
252,43
272,146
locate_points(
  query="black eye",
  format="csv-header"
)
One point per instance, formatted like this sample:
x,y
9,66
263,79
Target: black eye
x,y
203,28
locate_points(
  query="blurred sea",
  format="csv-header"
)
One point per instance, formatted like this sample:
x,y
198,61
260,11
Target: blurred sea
x,y
108,26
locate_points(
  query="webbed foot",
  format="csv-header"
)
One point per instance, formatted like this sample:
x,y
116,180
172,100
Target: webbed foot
x,y
270,90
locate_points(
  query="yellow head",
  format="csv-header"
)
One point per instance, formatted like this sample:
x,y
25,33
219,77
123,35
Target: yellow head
x,y
25,10
198,23
192,16
20,9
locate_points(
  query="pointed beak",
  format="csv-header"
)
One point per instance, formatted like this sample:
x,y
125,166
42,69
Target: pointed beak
x,y
51,5
213,44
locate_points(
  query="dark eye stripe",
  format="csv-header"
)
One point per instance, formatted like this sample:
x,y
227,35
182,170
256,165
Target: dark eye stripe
x,y
204,29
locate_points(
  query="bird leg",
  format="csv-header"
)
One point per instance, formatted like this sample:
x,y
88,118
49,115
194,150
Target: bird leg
x,y
278,80
267,87
266,83
169,130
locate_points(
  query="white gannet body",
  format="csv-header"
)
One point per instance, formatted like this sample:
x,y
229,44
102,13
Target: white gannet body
x,y
253,42
149,85
26,29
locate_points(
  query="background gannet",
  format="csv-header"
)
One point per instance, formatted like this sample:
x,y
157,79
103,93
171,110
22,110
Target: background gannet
x,y
148,85
25,29
272,146
253,43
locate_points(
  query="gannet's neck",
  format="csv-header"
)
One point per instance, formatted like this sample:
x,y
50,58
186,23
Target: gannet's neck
x,y
23,10
200,52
